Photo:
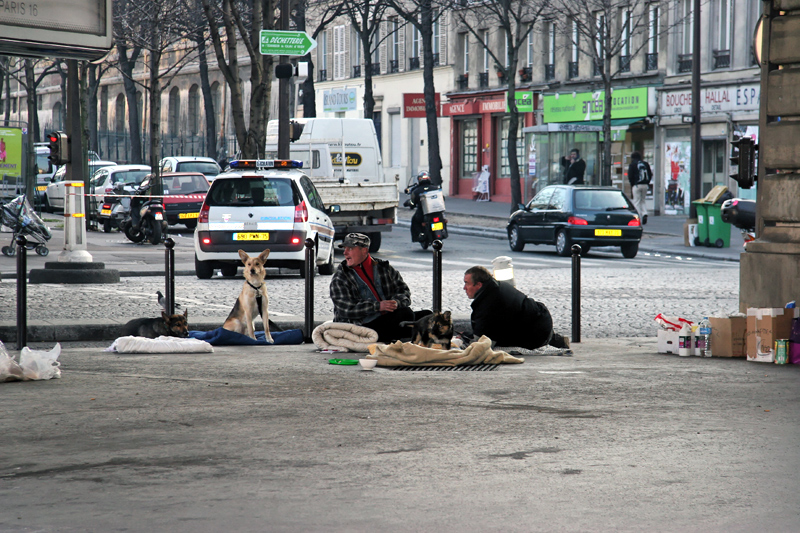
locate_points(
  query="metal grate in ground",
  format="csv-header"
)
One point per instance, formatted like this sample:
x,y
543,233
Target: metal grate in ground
x,y
460,368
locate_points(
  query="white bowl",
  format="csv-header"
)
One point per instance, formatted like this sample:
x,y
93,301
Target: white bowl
x,y
367,364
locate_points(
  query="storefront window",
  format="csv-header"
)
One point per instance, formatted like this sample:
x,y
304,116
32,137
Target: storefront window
x,y
545,150
505,162
469,148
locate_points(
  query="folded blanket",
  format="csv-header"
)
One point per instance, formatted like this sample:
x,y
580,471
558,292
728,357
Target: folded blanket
x,y
343,337
406,354
223,337
163,344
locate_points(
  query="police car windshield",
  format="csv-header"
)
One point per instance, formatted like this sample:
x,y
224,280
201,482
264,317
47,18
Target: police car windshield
x,y
256,191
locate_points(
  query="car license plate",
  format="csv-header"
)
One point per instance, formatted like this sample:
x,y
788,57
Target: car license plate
x,y
105,212
188,215
41,188
251,236
438,226
159,216
608,233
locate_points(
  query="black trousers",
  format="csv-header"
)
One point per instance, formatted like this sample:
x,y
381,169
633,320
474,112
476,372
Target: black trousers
x,y
388,325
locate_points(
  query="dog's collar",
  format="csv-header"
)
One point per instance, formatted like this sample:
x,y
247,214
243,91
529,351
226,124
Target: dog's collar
x,y
254,287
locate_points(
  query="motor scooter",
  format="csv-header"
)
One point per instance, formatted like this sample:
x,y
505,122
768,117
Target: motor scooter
x,y
742,214
145,217
431,214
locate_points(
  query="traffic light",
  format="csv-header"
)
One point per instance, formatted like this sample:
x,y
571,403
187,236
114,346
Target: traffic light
x,y
287,70
295,130
59,147
746,161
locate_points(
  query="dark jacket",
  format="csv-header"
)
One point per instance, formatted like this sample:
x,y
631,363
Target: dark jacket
x,y
353,301
510,318
573,170
633,171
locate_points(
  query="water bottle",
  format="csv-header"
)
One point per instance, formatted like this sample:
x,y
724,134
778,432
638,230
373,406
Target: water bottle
x,y
704,338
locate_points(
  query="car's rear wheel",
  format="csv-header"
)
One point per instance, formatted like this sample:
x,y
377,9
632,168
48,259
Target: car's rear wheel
x,y
563,243
191,224
327,268
514,240
229,271
374,242
203,269
630,250
585,249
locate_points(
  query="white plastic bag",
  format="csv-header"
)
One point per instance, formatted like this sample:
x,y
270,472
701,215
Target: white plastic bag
x,y
38,364
9,369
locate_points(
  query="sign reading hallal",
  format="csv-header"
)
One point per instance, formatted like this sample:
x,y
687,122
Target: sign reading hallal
x,y
286,43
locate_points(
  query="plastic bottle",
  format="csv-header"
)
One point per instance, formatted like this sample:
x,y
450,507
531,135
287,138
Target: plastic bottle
x,y
685,341
704,337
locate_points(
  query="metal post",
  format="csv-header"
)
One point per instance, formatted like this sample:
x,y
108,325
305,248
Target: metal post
x,y
576,293
22,292
309,266
169,287
437,276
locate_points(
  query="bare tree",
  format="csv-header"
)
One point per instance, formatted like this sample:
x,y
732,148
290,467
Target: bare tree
x,y
31,82
421,14
243,22
610,33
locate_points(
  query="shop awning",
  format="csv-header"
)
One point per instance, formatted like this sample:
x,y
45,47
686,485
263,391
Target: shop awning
x,y
586,125
616,123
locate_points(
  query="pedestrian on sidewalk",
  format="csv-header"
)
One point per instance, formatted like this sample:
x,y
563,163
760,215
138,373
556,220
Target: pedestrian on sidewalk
x,y
639,176
369,292
574,168
506,315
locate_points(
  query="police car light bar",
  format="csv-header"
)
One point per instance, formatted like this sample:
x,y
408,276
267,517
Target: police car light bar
x,y
265,163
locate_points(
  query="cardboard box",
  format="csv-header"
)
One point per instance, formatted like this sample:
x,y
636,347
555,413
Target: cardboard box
x,y
764,327
728,336
668,341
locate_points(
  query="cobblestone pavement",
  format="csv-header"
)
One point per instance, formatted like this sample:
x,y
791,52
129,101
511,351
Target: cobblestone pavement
x,y
614,301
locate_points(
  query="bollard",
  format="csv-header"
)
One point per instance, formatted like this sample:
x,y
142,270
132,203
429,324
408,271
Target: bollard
x,y
169,271
309,266
22,292
437,276
576,293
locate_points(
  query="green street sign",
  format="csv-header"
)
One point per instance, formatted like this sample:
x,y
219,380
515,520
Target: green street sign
x,y
524,101
286,43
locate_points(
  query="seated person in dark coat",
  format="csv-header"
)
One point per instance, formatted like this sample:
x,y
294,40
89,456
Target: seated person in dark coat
x,y
506,315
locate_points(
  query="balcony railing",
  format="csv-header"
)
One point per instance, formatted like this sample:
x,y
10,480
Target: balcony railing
x,y
685,63
322,75
483,79
549,72
651,61
463,81
393,67
356,71
722,59
526,74
413,63
436,59
573,69
598,67
376,69
624,63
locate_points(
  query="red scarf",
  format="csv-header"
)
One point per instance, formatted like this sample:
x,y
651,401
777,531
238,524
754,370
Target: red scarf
x,y
365,272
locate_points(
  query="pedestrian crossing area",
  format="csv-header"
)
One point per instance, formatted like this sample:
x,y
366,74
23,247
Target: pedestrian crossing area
x,y
597,260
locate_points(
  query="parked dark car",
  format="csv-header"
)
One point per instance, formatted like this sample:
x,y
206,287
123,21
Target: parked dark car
x,y
184,193
564,215
739,212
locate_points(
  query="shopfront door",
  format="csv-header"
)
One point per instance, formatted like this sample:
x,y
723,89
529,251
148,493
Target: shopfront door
x,y
714,153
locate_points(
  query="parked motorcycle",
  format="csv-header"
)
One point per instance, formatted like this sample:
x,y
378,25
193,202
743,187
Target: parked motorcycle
x,y
428,223
145,217
742,214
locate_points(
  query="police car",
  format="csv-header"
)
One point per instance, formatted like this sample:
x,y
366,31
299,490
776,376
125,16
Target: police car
x,y
260,204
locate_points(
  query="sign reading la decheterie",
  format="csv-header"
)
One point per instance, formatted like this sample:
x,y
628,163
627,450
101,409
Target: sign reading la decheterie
x,y
713,100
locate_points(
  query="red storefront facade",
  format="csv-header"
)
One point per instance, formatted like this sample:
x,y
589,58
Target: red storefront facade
x,y
479,137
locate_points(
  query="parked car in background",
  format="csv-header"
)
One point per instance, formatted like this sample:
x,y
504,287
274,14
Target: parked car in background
x,y
184,193
56,190
102,183
564,215
259,205
204,165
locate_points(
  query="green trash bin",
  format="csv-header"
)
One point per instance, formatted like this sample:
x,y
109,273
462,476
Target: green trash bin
x,y
702,222
719,232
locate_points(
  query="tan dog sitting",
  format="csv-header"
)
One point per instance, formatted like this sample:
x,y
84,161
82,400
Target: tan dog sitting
x,y
253,300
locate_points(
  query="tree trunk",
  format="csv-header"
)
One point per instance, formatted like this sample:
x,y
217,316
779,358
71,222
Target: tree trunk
x,y
513,131
208,101
606,163
429,89
155,120
309,94
127,65
91,107
30,95
369,99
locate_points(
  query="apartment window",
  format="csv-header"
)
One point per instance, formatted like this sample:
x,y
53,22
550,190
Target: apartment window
x,y
687,27
529,48
550,64
437,40
599,42
625,49
722,51
174,113
503,45
651,57
465,47
394,63
416,43
485,43
574,51
355,53
339,52
323,53
469,148
194,110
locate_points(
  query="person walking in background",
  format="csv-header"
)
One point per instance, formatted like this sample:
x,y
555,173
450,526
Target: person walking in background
x,y
574,168
639,176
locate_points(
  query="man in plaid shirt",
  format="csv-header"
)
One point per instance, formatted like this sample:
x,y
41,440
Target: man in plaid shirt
x,y
370,292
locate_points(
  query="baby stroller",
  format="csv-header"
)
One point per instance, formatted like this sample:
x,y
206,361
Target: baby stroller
x,y
18,214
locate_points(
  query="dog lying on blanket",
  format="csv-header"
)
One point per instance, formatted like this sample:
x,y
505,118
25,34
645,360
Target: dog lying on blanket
x,y
151,328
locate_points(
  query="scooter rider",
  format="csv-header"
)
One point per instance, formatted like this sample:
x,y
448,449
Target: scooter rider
x,y
423,184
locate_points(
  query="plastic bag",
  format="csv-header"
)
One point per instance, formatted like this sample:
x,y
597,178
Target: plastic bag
x,y
33,364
